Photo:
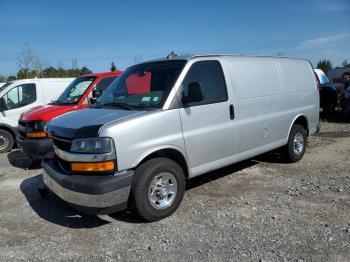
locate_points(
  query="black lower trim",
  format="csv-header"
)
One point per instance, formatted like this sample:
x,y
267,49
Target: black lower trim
x,y
35,148
87,184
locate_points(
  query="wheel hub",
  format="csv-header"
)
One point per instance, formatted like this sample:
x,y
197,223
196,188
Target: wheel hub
x,y
162,191
3,142
298,143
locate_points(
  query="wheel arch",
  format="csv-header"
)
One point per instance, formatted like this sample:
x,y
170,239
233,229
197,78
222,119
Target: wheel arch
x,y
172,152
300,119
9,129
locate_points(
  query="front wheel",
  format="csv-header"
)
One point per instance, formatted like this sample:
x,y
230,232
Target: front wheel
x,y
6,141
158,188
295,149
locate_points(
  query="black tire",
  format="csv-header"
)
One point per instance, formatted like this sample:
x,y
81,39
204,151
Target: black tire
x,y
291,153
6,141
144,175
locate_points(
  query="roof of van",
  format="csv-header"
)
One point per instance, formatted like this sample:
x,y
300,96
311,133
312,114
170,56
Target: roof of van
x,y
189,57
37,79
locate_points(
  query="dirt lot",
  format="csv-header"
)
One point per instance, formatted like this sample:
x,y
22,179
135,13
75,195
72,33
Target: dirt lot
x,y
258,210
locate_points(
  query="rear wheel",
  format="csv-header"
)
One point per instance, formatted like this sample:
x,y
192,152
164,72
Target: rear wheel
x,y
6,141
158,188
295,149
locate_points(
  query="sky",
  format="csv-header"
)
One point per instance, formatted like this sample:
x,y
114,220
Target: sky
x,y
96,33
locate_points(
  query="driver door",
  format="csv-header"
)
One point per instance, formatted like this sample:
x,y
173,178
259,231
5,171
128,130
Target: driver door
x,y
208,126
20,99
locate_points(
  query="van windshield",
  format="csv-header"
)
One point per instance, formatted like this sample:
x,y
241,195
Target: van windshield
x,y
74,91
142,86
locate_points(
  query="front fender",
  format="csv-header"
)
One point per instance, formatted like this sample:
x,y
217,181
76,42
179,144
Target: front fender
x,y
151,151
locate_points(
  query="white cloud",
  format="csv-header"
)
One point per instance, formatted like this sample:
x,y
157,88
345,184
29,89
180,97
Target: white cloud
x,y
322,42
326,6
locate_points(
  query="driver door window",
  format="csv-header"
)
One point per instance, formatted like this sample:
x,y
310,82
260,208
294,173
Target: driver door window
x,y
20,96
101,86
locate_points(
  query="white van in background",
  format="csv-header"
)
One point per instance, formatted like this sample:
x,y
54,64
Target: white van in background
x,y
19,96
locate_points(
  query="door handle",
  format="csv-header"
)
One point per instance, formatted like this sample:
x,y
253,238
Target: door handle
x,y
232,112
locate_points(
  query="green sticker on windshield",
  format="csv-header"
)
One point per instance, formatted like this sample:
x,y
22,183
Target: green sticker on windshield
x,y
155,99
146,99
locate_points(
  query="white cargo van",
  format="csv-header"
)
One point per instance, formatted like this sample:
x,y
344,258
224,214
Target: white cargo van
x,y
19,96
184,117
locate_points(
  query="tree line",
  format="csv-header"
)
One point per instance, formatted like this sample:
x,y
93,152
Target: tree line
x,y
326,65
31,65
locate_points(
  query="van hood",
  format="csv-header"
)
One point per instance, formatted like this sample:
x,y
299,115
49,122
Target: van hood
x,y
47,112
87,122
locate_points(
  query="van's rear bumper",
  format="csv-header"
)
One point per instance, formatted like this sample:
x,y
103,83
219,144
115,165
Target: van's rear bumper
x,y
35,148
96,194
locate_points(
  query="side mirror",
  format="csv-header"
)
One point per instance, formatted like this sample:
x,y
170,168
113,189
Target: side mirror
x,y
194,93
3,105
95,95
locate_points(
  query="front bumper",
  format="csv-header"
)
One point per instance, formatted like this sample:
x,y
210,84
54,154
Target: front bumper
x,y
35,148
96,194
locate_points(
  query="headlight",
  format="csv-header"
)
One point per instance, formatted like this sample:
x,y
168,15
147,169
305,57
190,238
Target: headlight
x,y
37,125
93,145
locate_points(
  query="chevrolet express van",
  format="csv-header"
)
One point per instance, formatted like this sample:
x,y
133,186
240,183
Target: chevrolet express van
x,y
138,144
32,139
19,96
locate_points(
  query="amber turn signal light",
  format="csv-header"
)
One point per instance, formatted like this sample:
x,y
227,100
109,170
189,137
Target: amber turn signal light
x,y
93,167
36,135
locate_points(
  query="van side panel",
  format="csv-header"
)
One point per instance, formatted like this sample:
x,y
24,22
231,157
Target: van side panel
x,y
302,97
53,89
261,98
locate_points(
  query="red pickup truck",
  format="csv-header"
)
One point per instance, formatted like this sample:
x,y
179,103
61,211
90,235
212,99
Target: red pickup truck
x,y
32,138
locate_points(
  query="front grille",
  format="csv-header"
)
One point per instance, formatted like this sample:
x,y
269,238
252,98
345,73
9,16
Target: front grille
x,y
62,143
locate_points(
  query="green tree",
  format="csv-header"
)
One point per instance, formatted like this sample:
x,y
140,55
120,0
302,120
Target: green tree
x,y
2,79
325,65
113,67
84,71
11,78
345,63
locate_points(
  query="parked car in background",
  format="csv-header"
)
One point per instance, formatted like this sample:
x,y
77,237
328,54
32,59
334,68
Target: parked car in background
x,y
337,78
32,138
137,145
328,93
19,96
1,84
345,100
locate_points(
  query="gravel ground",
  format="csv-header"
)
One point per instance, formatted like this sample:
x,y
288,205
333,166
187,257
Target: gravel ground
x,y
257,210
